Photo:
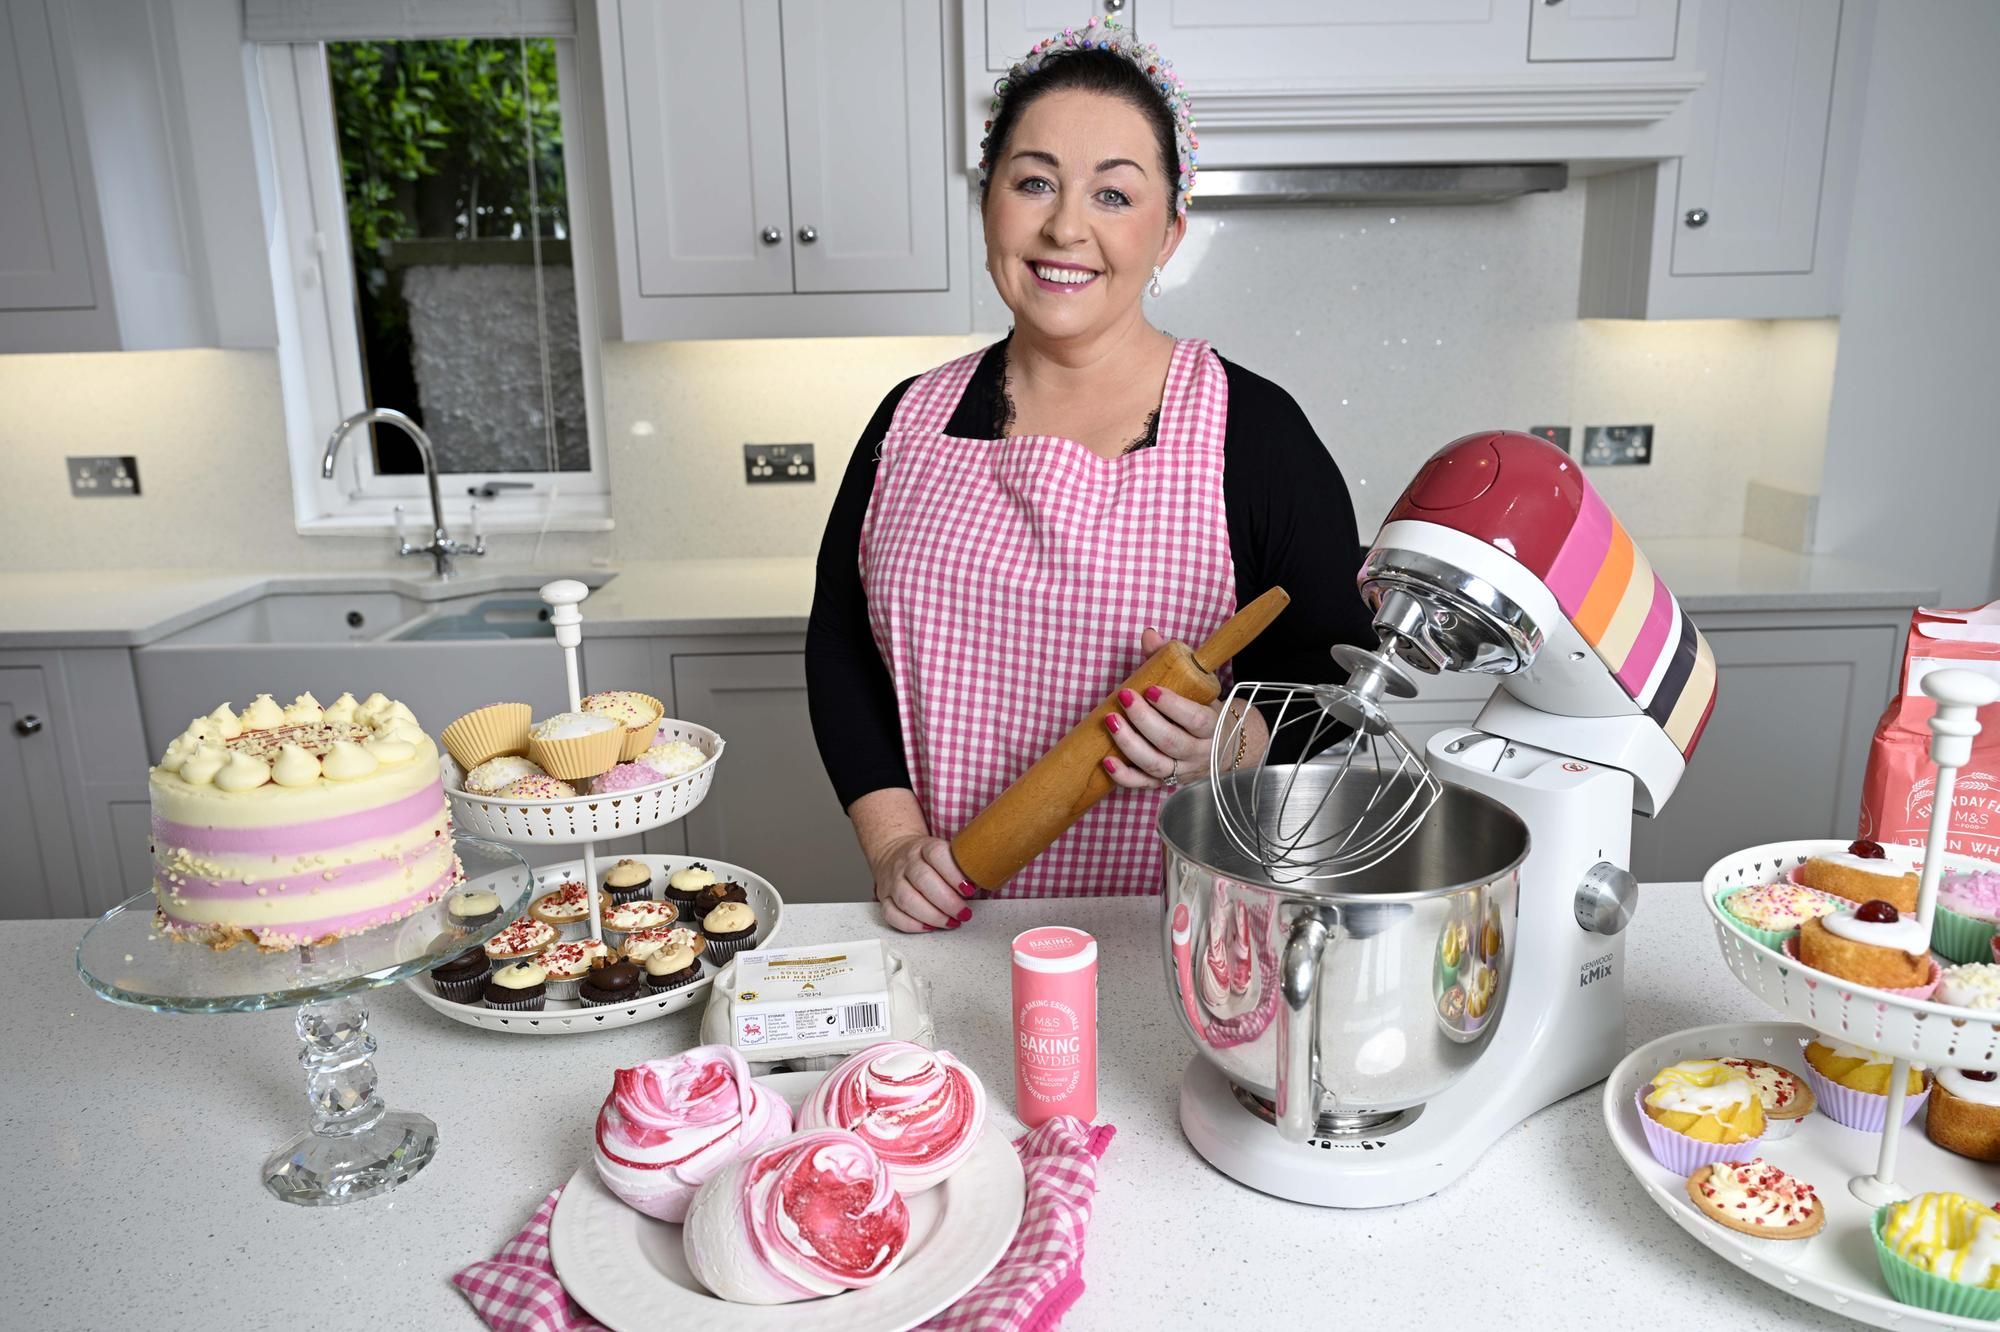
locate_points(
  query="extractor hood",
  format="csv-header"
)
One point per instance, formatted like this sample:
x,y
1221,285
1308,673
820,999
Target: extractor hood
x,y
1255,187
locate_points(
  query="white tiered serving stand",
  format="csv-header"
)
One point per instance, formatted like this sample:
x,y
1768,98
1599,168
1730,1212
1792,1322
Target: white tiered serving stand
x,y
1838,1271
584,821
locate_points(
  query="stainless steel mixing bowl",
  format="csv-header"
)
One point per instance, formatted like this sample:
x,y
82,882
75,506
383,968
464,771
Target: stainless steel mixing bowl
x,y
1340,1003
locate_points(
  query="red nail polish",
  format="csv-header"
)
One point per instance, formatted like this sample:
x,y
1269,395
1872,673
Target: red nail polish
x,y
1127,697
1152,693
1111,723
967,890
1111,765
928,929
965,915
951,924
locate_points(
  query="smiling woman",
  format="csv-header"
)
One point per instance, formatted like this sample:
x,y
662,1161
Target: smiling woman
x,y
1020,528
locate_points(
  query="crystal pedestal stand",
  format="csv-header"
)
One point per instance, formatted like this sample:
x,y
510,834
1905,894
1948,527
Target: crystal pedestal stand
x,y
356,1147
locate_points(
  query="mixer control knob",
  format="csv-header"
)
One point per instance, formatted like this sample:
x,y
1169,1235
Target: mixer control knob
x,y
1606,898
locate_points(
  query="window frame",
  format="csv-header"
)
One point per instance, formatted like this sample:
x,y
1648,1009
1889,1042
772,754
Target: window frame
x,y
320,362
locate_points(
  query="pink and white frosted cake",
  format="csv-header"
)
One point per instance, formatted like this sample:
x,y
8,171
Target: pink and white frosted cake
x,y
294,825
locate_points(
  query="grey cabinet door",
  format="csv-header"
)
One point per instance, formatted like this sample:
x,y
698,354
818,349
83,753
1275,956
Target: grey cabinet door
x,y
40,880
1784,753
771,808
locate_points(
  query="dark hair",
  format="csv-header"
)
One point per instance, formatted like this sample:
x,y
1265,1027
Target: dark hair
x,y
1104,72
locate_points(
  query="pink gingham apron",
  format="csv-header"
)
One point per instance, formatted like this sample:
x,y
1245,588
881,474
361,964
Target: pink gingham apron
x,y
1007,582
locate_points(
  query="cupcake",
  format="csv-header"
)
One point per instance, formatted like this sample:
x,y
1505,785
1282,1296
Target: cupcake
x,y
713,896
685,882
492,776
1852,1085
575,745
624,777
1760,1203
612,983
1786,1098
671,1124
1874,945
1771,913
1974,985
730,928
566,964
1964,1113
487,733
463,977
642,944
1941,1251
537,786
520,987
470,908
921,1110
1864,874
643,914
1968,907
525,938
1700,1112
639,714
567,908
672,758
671,966
627,880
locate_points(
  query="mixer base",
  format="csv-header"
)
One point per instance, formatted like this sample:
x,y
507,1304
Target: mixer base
x,y
1332,1126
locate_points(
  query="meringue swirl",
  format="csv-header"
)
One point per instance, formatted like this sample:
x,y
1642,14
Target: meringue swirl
x,y
669,1125
922,1111
809,1216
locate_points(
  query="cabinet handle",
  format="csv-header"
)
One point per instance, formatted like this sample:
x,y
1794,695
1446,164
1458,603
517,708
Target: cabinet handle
x,y
1696,217
771,235
1113,6
28,725
808,234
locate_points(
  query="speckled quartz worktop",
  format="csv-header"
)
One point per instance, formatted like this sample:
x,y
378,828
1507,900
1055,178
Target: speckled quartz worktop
x,y
130,608
133,1143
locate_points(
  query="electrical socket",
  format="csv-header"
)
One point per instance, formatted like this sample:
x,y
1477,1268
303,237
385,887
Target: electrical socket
x,y
1617,445
103,476
1556,435
764,464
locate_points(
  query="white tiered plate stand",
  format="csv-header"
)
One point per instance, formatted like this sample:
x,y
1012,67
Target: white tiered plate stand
x,y
1838,1269
583,821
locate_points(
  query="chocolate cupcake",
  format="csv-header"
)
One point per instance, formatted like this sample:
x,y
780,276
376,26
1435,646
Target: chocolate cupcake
x,y
730,928
473,907
522,987
613,983
461,979
671,967
713,896
685,882
628,880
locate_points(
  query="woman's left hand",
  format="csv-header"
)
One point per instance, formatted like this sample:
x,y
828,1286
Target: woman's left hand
x,y
1162,737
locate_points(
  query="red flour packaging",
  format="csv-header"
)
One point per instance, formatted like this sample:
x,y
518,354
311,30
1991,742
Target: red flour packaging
x,y
1897,791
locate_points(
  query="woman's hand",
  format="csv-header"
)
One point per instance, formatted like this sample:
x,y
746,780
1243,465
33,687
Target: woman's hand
x,y
919,885
1163,738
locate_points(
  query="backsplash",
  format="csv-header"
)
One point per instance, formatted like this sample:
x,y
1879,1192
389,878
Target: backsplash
x,y
1396,329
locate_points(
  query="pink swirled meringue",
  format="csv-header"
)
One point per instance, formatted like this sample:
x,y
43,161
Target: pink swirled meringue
x,y
669,1125
920,1110
809,1216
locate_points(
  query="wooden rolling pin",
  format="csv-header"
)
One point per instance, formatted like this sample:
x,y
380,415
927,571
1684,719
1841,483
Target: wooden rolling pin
x,y
1045,800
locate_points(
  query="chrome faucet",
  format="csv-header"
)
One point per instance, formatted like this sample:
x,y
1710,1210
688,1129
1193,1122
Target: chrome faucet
x,y
442,547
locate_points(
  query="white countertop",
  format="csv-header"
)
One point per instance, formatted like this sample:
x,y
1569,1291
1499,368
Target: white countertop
x,y
130,608
133,1143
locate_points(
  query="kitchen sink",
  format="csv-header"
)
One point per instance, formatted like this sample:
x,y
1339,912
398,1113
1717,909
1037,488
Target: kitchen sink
x,y
501,618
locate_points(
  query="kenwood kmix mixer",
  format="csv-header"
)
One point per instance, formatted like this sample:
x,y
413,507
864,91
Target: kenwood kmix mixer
x,y
1388,958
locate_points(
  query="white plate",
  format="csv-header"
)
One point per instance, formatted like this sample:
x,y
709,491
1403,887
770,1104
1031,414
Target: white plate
x,y
1836,1270
587,818
629,1270
561,1017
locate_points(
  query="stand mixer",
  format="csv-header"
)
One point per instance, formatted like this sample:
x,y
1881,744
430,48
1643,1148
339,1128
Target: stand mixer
x,y
1385,959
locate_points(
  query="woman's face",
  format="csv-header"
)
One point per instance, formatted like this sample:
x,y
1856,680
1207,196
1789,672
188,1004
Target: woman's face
x,y
1076,214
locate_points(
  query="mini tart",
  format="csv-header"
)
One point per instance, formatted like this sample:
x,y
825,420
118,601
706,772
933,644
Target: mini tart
x,y
488,733
1785,1096
566,964
642,914
1963,1115
1864,964
523,938
1853,878
1857,1070
628,880
639,714
567,909
642,944
1936,1249
1756,1198
1702,1099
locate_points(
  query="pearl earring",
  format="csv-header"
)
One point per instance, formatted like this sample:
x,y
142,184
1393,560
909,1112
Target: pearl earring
x,y
1155,287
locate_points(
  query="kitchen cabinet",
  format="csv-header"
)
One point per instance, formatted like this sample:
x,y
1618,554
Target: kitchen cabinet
x,y
779,167
1752,221
41,879
1603,29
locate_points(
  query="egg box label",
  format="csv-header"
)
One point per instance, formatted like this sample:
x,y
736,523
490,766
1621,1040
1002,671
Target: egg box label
x,y
791,1000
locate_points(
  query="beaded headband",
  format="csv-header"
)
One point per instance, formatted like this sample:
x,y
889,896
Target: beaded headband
x,y
1103,34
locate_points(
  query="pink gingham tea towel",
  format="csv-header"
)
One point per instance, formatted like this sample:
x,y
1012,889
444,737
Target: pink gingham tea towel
x,y
1029,1289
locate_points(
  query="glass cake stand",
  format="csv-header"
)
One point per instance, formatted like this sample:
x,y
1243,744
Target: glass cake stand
x,y
356,1146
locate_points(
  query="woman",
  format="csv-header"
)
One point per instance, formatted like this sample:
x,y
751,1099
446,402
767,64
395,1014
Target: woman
x,y
1020,528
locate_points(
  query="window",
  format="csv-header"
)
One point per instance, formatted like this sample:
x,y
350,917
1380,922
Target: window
x,y
432,206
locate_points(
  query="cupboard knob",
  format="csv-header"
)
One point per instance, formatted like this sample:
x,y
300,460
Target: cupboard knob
x,y
28,725
1696,217
771,235
1113,6
808,234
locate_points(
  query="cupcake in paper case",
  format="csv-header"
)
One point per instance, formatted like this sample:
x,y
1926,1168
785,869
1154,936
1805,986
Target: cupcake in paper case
x,y
671,966
463,977
729,929
612,983
1771,913
492,776
537,786
1971,985
519,987
669,1125
566,964
1852,1086
628,881
1700,1112
1924,991
672,758
1968,907
687,881
625,777
488,733
576,745
638,714
1775,1212
1941,1252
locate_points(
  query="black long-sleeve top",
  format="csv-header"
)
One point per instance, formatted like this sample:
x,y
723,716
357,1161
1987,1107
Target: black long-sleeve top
x,y
1291,524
